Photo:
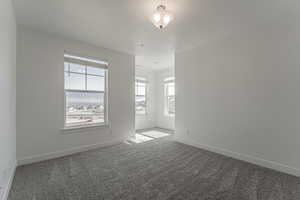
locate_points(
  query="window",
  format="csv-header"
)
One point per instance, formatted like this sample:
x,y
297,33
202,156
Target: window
x,y
85,91
141,96
169,96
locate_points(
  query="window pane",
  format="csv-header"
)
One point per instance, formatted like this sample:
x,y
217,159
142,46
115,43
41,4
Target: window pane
x,y
171,105
66,66
67,81
96,83
136,89
140,105
171,90
74,81
140,98
77,68
170,98
84,108
95,71
141,89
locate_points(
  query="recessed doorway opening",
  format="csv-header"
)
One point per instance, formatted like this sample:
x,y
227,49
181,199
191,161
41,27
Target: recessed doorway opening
x,y
155,98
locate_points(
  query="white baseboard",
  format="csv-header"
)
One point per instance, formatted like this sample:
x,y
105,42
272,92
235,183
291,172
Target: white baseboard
x,y
57,154
8,183
251,159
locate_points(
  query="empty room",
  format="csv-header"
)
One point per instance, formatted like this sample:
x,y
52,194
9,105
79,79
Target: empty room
x,y
150,100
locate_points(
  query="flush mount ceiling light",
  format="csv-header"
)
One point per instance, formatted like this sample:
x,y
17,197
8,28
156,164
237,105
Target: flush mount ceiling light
x,y
161,18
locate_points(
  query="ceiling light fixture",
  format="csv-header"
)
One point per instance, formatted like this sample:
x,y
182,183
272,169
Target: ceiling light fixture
x,y
161,18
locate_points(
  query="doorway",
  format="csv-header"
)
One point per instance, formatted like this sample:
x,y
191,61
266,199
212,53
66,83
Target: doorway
x,y
154,103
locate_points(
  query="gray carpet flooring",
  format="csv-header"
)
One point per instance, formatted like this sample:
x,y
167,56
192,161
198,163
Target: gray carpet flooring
x,y
160,169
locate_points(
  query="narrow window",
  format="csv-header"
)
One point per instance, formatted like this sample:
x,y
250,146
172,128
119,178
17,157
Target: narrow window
x,y
141,96
85,91
169,96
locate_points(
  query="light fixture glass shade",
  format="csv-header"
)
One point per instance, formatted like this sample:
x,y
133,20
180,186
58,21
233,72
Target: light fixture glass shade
x,y
161,18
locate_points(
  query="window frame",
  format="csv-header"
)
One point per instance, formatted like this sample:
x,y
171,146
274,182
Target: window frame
x,y
88,64
167,81
144,80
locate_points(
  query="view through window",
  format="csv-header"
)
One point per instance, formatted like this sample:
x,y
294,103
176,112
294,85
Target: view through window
x,y
169,96
141,96
85,91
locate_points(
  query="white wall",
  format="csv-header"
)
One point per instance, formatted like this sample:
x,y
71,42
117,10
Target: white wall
x,y
162,120
241,94
40,96
7,91
148,120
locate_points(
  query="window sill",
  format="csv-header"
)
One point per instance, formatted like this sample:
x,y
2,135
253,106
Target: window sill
x,y
166,115
141,115
92,126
